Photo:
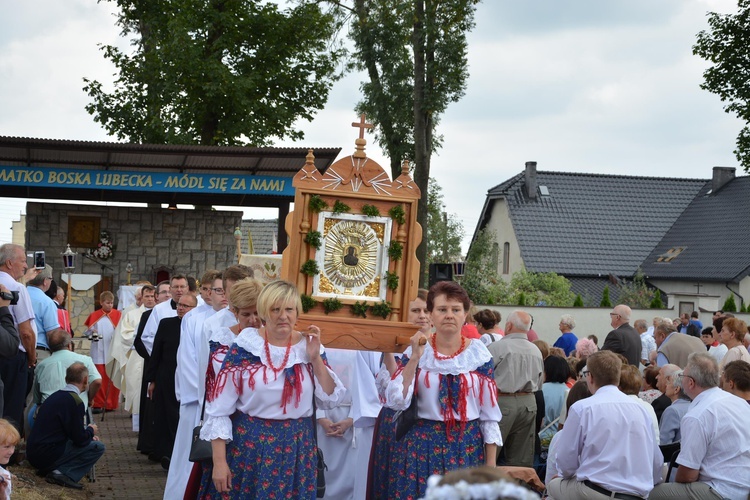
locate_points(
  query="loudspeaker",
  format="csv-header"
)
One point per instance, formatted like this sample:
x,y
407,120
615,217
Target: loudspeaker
x,y
440,272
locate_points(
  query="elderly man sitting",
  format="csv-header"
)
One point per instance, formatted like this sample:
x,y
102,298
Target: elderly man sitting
x,y
714,455
59,445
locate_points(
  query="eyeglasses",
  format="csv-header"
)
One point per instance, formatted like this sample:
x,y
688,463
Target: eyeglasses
x,y
218,291
186,306
613,314
682,375
584,372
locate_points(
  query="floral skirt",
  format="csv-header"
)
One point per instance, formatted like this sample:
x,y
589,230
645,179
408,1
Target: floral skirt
x,y
426,450
380,456
271,459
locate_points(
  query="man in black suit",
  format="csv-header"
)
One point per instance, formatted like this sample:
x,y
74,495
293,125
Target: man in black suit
x,y
623,339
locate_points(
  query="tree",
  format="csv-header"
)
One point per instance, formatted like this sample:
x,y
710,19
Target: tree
x,y
636,293
224,72
444,232
539,289
414,54
605,298
729,304
656,303
725,46
579,301
481,281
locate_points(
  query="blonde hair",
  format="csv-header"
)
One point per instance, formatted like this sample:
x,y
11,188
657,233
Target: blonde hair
x,y
245,293
8,433
277,292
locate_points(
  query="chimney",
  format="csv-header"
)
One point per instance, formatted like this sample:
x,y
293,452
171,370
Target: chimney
x,y
722,175
531,187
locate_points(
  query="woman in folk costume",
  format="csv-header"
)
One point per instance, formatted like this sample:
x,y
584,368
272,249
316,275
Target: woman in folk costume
x,y
243,302
259,417
383,440
102,324
457,412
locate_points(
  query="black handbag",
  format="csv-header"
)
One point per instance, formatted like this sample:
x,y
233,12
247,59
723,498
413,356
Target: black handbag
x,y
320,465
200,450
404,420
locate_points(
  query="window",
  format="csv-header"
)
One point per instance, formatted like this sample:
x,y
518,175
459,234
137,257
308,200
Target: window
x,y
495,255
506,258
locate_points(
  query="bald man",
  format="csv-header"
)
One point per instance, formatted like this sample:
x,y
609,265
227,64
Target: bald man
x,y
623,339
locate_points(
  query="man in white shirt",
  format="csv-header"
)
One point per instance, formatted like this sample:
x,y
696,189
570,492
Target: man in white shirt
x,y
178,286
648,344
608,447
714,455
14,371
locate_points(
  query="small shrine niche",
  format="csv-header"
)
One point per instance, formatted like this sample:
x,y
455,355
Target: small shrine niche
x,y
353,237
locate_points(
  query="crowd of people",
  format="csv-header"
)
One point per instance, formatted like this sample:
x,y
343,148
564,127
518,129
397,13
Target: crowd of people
x,y
469,398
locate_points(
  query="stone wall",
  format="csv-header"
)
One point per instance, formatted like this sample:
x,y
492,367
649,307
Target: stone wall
x,y
178,241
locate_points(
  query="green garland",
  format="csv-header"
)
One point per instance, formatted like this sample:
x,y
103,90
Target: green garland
x,y
391,280
383,309
360,309
317,203
395,250
397,213
332,305
312,238
310,268
340,207
307,302
370,210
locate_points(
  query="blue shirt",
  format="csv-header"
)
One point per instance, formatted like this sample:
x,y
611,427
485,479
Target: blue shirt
x,y
45,314
567,342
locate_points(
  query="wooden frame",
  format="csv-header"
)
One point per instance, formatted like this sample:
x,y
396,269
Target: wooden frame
x,y
83,231
358,184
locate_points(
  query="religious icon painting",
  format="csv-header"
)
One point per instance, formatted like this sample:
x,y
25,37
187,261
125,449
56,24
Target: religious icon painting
x,y
353,257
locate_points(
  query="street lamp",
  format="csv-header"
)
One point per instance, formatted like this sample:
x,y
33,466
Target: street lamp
x,y
69,265
129,270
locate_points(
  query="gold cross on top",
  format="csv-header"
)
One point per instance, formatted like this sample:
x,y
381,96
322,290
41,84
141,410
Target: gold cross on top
x,y
361,125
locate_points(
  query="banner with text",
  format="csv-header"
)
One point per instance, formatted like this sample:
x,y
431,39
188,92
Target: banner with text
x,y
145,181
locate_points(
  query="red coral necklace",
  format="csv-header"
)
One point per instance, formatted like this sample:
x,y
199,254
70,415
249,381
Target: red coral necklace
x,y
275,370
439,356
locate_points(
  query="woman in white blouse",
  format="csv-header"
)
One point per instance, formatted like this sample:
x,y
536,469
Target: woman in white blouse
x,y
732,333
259,417
458,416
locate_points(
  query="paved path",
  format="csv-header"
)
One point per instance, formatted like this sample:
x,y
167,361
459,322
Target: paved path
x,y
124,472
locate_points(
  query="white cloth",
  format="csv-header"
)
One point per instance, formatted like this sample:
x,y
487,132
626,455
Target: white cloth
x,y
648,345
264,401
23,311
106,330
189,381
651,412
340,452
716,443
220,319
718,352
609,440
366,406
481,402
6,477
158,313
122,344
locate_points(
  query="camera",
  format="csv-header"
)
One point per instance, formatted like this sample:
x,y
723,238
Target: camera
x,y
12,296
39,259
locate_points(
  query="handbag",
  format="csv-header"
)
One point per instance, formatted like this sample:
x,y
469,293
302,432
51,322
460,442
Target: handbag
x,y
404,420
200,449
320,465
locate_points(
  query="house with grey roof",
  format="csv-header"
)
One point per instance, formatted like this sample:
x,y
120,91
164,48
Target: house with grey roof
x,y
597,229
259,236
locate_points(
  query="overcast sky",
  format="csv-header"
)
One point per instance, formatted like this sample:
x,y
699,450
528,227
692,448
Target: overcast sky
x,y
576,85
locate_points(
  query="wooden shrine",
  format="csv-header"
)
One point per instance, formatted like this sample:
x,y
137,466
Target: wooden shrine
x,y
353,237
